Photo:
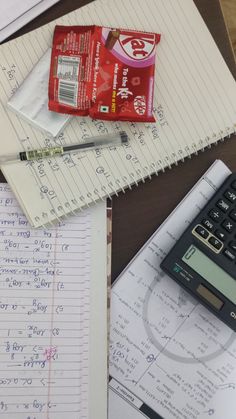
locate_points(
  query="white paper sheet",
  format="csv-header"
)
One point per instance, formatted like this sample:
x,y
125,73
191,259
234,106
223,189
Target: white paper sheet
x,y
52,358
168,353
14,14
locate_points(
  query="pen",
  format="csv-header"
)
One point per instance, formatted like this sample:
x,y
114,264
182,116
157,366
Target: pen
x,y
114,139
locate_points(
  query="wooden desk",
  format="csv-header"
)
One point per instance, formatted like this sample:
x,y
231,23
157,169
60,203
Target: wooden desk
x,y
139,212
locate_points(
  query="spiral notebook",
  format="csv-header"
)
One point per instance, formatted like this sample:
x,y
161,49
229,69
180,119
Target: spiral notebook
x,y
194,104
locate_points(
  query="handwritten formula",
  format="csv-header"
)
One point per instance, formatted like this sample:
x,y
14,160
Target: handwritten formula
x,y
44,315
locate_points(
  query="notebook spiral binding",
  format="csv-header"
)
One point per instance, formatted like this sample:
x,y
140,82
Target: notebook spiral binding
x,y
146,174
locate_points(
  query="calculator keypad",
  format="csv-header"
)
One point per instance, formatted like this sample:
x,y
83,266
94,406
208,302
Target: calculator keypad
x,y
222,204
216,215
230,195
221,235
232,215
232,245
229,254
207,238
208,224
233,185
202,232
217,230
228,225
215,242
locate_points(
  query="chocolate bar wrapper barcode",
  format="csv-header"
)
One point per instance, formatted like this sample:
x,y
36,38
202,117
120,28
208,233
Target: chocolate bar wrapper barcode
x,y
68,92
67,73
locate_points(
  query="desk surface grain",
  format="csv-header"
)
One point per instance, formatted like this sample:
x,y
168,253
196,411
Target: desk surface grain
x,y
137,213
229,12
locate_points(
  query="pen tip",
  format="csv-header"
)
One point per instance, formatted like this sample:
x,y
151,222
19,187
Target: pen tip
x,y
124,137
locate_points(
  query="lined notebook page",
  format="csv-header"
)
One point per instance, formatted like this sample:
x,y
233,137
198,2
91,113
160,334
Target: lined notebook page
x,y
45,278
194,103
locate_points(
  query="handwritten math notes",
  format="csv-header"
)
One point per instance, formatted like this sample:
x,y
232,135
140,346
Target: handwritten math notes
x,y
44,316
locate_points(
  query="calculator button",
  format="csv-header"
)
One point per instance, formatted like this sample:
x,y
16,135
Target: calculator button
x,y
232,245
220,234
216,215
229,254
223,205
228,225
231,196
215,242
232,215
208,224
202,232
233,184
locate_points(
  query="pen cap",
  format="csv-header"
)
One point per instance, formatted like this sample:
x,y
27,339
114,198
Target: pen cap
x,y
7,158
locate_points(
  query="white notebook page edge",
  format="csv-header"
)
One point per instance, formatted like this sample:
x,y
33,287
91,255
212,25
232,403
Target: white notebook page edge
x,y
98,315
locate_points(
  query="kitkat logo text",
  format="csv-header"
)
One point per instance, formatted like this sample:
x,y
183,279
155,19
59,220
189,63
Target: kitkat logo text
x,y
137,48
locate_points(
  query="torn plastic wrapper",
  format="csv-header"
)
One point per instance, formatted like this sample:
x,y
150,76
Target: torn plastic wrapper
x,y
30,101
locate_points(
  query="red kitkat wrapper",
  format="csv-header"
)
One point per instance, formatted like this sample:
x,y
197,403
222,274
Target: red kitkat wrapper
x,y
102,72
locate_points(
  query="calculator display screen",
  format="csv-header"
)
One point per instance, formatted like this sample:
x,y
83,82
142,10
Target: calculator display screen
x,y
211,272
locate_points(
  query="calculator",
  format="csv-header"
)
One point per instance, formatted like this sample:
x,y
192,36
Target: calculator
x,y
203,260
